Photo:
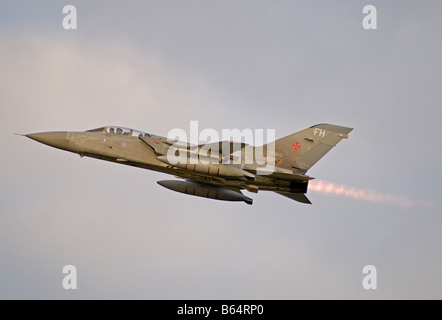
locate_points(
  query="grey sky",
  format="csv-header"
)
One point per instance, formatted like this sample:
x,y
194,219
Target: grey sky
x,y
157,65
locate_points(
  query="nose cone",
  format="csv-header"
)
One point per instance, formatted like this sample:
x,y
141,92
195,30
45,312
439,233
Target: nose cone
x,y
53,139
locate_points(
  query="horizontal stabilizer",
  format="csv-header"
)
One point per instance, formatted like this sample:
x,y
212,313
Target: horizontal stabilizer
x,y
300,197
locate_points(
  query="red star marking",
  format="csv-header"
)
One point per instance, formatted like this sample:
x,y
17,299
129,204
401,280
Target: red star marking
x,y
296,146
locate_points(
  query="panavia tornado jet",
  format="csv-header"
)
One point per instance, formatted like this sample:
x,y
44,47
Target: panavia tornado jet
x,y
291,157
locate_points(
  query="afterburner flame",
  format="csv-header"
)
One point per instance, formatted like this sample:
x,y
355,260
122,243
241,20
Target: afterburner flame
x,y
329,188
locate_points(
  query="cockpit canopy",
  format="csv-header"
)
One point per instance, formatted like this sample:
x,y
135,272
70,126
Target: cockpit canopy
x,y
121,131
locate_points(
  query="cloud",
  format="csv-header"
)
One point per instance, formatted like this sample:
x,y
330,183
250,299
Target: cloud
x,y
64,83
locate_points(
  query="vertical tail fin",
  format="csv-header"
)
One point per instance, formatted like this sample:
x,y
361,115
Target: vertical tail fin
x,y
303,149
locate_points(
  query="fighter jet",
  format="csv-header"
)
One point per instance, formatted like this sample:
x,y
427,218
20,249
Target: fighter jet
x,y
292,157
